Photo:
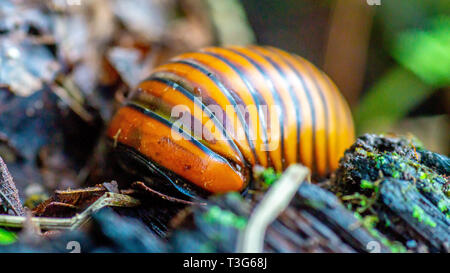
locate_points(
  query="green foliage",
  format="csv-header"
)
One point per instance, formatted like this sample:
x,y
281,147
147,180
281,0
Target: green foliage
x,y
224,217
370,222
426,53
374,186
398,91
444,206
421,216
360,202
417,35
7,237
269,176
368,170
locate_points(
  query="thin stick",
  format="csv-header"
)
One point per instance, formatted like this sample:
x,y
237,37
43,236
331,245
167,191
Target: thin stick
x,y
109,199
147,189
275,201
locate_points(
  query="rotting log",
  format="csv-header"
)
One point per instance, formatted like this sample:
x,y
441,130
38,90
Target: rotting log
x,y
399,189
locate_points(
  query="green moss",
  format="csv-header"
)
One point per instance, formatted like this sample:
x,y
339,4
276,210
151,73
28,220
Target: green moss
x,y
388,164
422,175
365,184
396,174
421,216
357,182
224,217
442,205
380,161
361,201
7,237
430,222
370,222
269,176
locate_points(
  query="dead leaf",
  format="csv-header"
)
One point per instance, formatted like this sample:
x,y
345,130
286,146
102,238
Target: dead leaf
x,y
9,195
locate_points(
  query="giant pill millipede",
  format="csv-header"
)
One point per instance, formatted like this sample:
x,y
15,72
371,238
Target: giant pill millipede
x,y
224,90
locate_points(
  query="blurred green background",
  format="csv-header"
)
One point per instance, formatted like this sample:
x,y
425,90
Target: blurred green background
x,y
391,61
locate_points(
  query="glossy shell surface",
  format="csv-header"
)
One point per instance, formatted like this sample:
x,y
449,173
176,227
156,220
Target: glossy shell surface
x,y
253,106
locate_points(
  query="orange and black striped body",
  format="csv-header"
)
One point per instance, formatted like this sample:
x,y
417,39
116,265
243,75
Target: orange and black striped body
x,y
234,108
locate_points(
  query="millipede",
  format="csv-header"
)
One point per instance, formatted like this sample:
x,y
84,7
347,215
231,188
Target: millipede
x,y
255,106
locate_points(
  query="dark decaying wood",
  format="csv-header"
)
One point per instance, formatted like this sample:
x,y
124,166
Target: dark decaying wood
x,y
418,212
315,221
401,187
324,206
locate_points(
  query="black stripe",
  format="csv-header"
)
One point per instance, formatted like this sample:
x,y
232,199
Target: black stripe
x,y
291,94
186,135
310,101
325,108
205,109
275,95
191,190
229,96
255,95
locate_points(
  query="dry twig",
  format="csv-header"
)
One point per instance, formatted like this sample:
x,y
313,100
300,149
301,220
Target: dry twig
x,y
47,223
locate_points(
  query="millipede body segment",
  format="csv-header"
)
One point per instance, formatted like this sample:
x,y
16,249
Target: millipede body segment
x,y
209,116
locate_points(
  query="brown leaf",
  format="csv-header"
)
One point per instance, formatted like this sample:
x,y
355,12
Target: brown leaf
x,y
65,203
9,196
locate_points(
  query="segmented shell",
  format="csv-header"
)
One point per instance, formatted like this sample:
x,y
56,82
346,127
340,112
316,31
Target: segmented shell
x,y
240,107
